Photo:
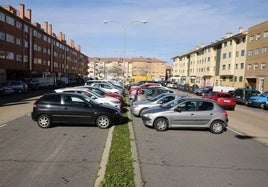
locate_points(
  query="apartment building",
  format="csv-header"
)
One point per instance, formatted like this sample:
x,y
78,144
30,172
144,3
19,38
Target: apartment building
x,y
221,63
117,67
29,50
256,71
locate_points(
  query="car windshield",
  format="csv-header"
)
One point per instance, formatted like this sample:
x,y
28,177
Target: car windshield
x,y
156,97
172,103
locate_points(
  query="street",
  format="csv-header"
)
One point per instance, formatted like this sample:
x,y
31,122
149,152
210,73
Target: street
x,y
185,157
70,155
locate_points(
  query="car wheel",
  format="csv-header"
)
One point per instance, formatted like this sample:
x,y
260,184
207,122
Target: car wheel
x,y
103,122
216,127
43,121
161,124
262,106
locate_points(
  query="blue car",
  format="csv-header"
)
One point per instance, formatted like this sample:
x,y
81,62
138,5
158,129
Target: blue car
x,y
258,101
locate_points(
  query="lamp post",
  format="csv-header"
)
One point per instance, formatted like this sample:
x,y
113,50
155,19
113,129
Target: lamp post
x,y
125,26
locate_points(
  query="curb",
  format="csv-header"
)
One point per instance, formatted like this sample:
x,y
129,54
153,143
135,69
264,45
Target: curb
x,y
134,151
104,158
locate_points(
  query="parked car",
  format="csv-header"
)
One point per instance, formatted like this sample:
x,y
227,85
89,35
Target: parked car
x,y
6,90
243,94
187,113
138,106
18,86
105,93
73,108
203,90
224,99
101,99
149,92
258,101
108,87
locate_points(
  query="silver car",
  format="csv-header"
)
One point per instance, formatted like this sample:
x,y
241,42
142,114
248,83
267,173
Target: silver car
x,y
187,113
138,106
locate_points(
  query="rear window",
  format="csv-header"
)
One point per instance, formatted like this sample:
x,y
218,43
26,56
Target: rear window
x,y
225,95
50,99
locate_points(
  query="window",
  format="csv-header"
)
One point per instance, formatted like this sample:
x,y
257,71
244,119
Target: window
x,y
18,41
2,54
237,54
2,36
240,78
258,36
242,52
256,65
224,55
251,38
204,106
236,66
242,66
264,50
249,66
18,25
10,55
10,20
2,16
229,66
263,65
26,28
230,54
250,53
10,38
223,67
18,58
265,34
257,51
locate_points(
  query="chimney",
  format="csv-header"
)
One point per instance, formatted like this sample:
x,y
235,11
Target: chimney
x,y
46,27
22,10
50,29
29,14
71,44
79,48
240,29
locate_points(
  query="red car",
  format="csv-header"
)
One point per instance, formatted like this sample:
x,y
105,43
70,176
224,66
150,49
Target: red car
x,y
224,99
105,93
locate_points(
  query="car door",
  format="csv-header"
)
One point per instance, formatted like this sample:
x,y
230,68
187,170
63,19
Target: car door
x,y
184,114
204,113
79,111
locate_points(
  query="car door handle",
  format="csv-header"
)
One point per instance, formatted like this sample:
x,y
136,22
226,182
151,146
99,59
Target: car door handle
x,y
211,114
192,114
65,108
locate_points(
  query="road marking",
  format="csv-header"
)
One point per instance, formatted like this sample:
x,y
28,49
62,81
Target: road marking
x,y
239,133
3,125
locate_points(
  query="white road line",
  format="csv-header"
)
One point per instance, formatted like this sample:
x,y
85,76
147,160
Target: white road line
x,y
3,125
239,133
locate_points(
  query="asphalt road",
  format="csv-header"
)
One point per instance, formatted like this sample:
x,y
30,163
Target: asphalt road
x,y
200,158
70,155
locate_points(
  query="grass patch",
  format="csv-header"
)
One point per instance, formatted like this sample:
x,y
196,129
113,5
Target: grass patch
x,y
119,169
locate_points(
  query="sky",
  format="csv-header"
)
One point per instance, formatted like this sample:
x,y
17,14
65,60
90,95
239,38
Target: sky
x,y
173,26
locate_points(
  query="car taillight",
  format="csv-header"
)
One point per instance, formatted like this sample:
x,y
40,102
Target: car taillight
x,y
35,106
224,113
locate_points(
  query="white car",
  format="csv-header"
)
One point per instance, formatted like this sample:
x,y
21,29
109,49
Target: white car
x,y
101,99
107,87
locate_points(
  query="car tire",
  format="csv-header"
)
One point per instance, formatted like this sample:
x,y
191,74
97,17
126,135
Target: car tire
x,y
161,124
103,122
262,106
44,121
216,127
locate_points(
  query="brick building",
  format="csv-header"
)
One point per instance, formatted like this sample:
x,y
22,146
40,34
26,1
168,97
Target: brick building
x,y
29,50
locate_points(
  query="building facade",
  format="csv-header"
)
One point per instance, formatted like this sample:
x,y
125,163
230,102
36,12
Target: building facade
x,y
117,68
256,71
29,50
235,61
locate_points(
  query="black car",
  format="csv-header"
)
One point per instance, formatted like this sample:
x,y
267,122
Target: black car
x,y
75,109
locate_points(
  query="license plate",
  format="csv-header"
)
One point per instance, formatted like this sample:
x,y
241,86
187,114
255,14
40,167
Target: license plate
x,y
226,101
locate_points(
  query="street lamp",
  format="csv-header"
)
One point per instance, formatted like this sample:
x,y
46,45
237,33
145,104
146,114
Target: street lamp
x,y
125,26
